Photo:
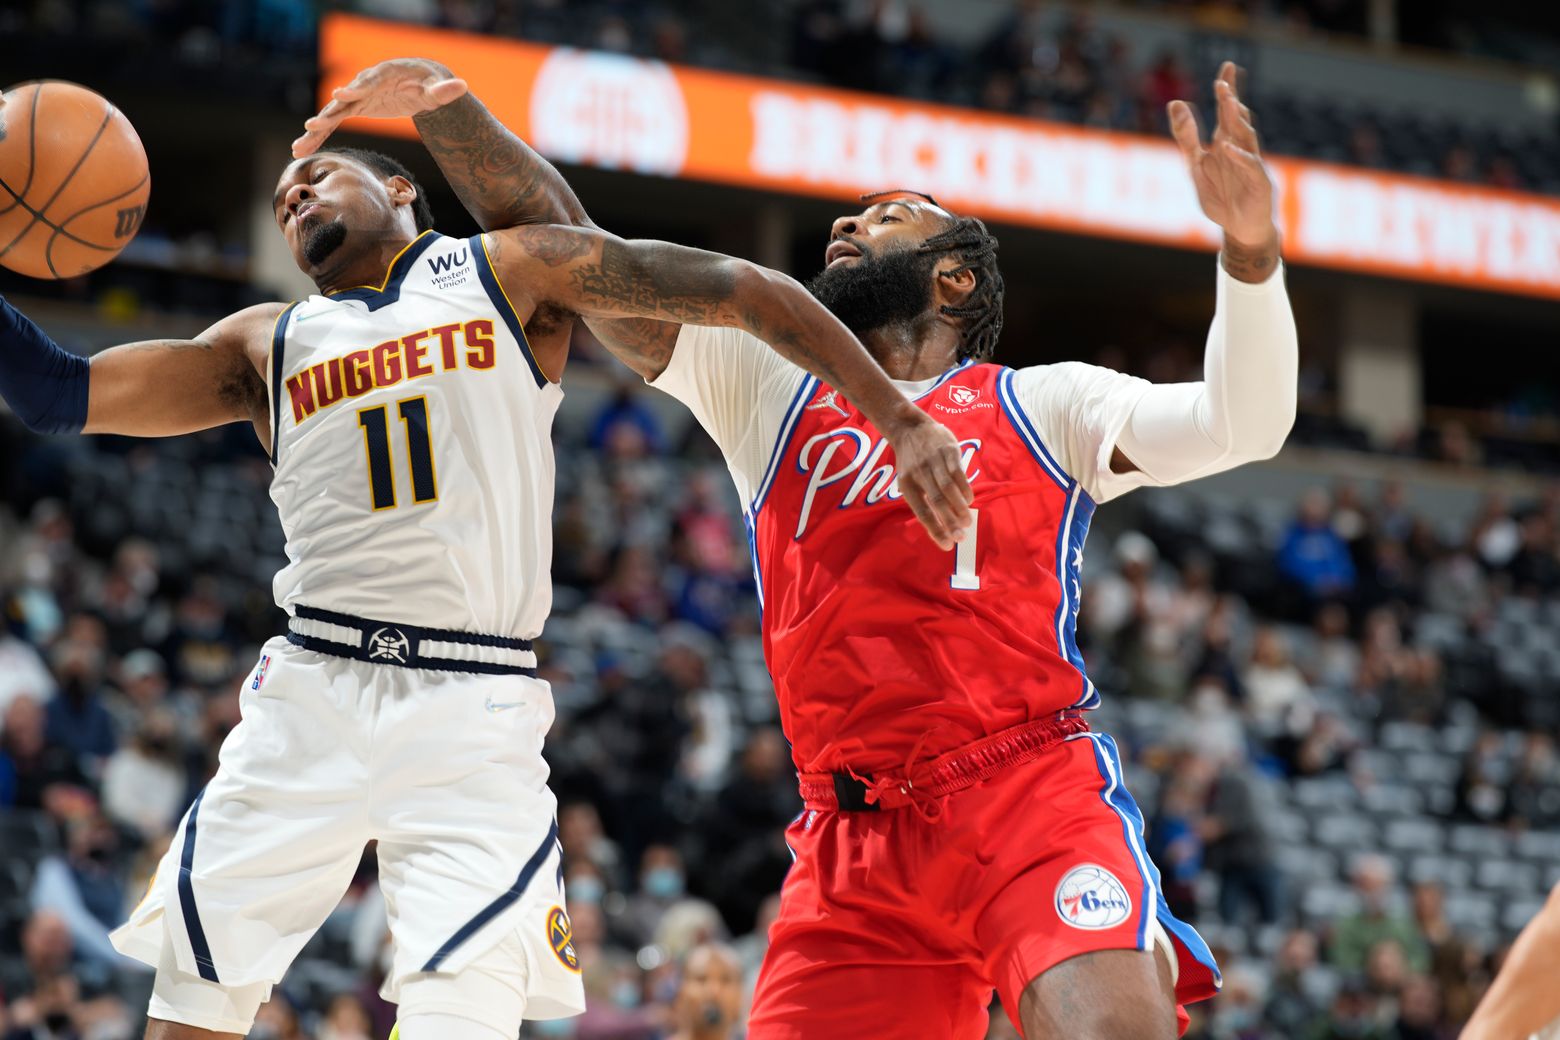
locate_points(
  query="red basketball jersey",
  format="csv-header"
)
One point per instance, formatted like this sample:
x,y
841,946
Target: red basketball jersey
x,y
874,636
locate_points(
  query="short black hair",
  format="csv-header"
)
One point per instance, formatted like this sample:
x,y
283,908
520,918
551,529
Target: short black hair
x,y
386,166
975,247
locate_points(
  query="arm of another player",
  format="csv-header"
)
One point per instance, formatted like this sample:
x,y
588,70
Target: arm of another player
x,y
1523,999
157,388
1245,406
596,275
500,180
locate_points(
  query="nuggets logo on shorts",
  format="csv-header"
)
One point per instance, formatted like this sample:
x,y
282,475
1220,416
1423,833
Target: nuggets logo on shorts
x,y
389,644
1090,897
560,936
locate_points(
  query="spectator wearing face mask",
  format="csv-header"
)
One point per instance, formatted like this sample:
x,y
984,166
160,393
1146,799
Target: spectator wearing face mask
x,y
662,883
84,889
144,783
709,997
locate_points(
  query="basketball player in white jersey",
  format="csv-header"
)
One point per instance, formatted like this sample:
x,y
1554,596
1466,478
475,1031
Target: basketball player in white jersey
x,y
406,409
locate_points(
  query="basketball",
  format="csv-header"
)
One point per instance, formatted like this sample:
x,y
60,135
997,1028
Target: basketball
x,y
73,180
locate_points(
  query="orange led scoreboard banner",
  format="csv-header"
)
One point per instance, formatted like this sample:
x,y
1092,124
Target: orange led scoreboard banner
x,y
615,112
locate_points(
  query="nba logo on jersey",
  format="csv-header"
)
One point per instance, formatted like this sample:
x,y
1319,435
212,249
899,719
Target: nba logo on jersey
x,y
1090,897
265,663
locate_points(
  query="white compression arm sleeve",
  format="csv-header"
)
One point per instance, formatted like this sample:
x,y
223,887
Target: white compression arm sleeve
x,y
1245,405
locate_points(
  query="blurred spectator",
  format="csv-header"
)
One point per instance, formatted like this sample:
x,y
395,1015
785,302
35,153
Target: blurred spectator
x,y
1295,1002
277,1020
1429,901
346,1019
1278,701
1334,657
1175,841
1354,936
1240,848
1533,797
30,764
21,669
752,947
85,889
627,415
746,822
77,720
1481,786
1419,1011
143,782
663,885
1313,555
709,995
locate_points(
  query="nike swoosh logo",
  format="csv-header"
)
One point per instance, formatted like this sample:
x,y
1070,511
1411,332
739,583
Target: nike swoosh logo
x,y
496,706
301,318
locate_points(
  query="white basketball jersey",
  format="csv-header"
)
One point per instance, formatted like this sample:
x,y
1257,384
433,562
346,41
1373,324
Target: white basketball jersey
x,y
411,439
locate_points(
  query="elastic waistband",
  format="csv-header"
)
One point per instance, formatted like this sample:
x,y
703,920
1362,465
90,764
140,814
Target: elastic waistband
x,y
950,772
408,646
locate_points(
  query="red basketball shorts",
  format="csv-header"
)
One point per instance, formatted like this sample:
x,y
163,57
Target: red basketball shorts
x,y
894,927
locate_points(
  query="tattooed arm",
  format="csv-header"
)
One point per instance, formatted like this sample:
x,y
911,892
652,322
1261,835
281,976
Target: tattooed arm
x,y
500,180
165,387
596,275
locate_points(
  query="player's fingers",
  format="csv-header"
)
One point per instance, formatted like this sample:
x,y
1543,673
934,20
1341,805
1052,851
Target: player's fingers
x,y
1183,127
915,497
446,90
954,488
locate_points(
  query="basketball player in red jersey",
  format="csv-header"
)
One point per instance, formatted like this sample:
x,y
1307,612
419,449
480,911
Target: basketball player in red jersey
x,y
964,829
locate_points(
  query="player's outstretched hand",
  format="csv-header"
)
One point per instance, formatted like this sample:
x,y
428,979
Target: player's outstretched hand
x,y
932,480
1232,184
390,90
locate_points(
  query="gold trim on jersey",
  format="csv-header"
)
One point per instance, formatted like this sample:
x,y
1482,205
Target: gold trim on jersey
x,y
525,340
389,271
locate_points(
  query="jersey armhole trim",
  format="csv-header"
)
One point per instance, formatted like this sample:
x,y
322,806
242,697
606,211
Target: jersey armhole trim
x,y
277,367
1027,433
506,308
793,414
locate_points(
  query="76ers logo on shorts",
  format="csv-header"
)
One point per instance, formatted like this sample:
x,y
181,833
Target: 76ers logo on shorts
x,y
1090,897
560,936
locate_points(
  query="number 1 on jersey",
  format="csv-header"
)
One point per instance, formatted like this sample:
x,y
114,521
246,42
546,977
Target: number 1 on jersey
x,y
964,576
419,451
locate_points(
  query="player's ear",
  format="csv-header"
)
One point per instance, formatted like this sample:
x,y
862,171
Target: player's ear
x,y
954,283
402,191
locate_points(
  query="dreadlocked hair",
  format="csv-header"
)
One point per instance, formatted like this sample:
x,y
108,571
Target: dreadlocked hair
x,y
967,239
976,249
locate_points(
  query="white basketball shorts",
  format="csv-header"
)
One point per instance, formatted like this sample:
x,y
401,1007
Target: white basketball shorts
x,y
443,769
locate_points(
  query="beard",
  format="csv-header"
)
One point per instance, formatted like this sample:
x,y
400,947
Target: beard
x,y
893,287
323,240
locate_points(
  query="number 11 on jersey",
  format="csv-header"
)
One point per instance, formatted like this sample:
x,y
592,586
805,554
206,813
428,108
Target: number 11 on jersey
x,y
964,576
419,452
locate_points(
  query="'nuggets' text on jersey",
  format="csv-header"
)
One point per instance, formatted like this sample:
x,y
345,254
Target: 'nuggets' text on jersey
x,y
411,435
398,360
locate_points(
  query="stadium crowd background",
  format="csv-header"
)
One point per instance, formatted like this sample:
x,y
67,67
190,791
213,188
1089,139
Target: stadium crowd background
x,y
1339,705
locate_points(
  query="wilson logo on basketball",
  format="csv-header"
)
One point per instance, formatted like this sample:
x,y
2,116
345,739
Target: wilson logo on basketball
x,y
128,221
560,936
